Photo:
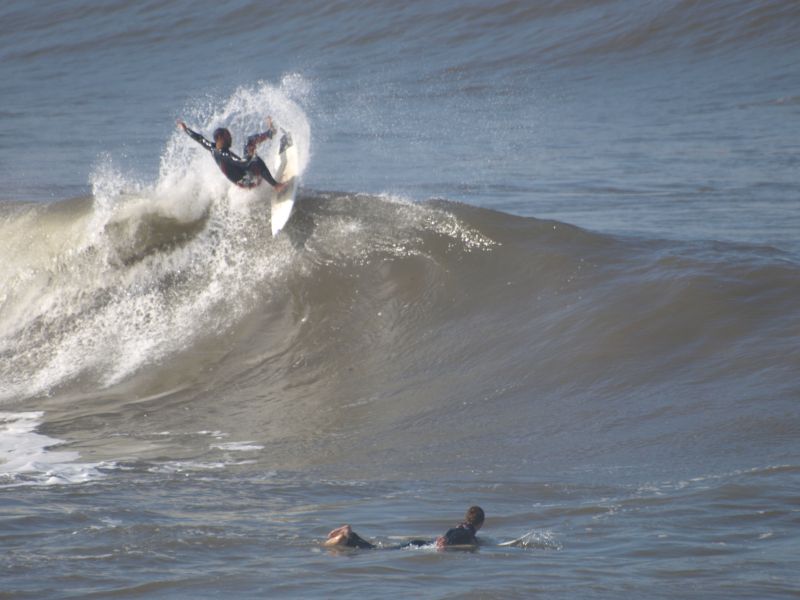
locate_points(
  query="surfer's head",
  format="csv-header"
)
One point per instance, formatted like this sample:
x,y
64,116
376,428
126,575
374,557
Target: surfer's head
x,y
222,138
474,517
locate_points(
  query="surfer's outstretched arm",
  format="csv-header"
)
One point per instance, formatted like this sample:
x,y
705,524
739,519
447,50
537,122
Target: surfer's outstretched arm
x,y
196,136
255,139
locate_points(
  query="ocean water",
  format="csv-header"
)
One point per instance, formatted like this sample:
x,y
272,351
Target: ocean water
x,y
545,258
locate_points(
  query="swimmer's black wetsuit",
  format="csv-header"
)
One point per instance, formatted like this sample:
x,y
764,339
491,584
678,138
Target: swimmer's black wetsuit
x,y
461,535
356,541
245,172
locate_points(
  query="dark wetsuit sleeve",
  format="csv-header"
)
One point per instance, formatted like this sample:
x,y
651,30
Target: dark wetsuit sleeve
x,y
257,138
199,139
254,140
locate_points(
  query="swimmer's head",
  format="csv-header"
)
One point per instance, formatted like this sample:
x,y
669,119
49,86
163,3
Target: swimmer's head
x,y
222,138
474,517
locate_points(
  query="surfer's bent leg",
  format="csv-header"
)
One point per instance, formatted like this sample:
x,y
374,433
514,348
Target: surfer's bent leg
x,y
257,168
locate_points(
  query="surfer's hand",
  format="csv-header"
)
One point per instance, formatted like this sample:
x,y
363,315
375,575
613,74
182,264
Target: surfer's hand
x,y
181,124
280,187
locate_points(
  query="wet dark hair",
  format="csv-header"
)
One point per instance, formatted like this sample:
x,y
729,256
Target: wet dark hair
x,y
474,516
223,133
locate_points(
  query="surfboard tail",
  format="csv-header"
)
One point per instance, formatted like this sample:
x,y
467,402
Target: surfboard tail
x,y
281,211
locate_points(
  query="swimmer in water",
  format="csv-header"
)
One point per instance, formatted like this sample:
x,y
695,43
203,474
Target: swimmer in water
x,y
245,172
464,534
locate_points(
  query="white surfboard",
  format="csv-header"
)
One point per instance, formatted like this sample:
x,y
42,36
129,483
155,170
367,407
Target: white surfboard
x,y
520,541
530,539
285,173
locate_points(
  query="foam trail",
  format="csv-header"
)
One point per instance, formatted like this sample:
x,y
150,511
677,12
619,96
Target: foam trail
x,y
27,457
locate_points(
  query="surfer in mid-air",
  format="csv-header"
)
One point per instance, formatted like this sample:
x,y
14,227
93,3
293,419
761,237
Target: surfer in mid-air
x,y
246,172
464,534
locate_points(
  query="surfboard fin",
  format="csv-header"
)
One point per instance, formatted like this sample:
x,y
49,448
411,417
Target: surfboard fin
x,y
286,141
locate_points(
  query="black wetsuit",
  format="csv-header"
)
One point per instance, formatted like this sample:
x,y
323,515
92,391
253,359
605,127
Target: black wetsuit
x,y
461,535
245,172
356,541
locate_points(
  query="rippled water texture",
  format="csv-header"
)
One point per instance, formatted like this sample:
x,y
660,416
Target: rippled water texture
x,y
544,259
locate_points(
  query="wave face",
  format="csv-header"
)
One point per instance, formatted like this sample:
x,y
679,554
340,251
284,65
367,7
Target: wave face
x,y
381,319
378,323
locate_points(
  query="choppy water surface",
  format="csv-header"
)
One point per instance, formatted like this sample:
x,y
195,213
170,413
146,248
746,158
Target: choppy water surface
x,y
545,259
